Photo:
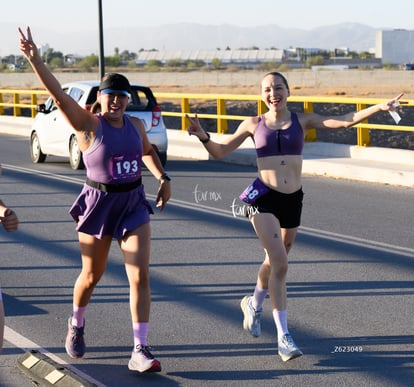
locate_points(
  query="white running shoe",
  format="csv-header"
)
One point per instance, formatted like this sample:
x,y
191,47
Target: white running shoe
x,y
288,349
142,360
251,321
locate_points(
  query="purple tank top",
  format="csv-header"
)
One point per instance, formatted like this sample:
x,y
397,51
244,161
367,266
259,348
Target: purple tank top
x,y
279,142
115,155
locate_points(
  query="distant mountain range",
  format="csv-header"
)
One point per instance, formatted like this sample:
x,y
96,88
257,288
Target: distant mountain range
x,y
188,36
357,37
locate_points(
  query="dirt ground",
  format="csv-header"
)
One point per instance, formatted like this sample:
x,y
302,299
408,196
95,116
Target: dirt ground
x,y
366,84
353,83
354,91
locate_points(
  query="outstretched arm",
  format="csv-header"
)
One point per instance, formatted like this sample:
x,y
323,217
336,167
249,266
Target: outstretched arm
x,y
348,120
79,118
231,143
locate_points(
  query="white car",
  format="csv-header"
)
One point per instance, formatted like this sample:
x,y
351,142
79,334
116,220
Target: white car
x,y
51,134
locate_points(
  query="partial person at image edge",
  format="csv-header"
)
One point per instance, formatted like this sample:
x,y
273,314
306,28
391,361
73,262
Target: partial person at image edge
x,y
10,223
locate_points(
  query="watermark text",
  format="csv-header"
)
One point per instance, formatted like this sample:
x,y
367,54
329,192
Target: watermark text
x,y
204,196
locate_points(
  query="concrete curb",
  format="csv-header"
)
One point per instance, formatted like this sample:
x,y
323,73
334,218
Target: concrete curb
x,y
46,372
18,126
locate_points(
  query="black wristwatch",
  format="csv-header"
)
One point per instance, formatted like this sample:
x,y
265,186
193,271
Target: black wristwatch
x,y
165,176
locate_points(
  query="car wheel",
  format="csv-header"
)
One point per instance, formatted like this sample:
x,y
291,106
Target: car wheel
x,y
75,154
36,153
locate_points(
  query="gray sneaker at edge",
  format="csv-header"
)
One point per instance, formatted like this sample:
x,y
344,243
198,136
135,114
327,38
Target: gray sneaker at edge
x,y
75,342
251,321
288,349
142,360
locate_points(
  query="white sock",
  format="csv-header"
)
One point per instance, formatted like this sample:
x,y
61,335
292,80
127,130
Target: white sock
x,y
259,296
280,317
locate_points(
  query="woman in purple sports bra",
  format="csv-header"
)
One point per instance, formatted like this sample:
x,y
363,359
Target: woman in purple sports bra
x,y
112,203
275,196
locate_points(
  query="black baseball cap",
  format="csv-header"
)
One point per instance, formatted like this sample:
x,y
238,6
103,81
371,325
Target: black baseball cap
x,y
114,82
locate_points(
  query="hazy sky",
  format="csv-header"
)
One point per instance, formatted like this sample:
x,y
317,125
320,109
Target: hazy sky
x,y
63,16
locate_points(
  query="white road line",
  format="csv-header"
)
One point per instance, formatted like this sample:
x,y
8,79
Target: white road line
x,y
48,175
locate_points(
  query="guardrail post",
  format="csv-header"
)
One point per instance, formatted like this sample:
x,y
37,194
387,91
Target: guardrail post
x,y
363,136
308,108
261,107
16,101
185,108
222,126
34,102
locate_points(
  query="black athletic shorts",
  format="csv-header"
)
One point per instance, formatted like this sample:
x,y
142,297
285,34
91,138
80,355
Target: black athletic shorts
x,y
287,208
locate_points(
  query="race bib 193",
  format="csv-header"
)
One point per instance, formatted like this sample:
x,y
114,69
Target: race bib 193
x,y
126,166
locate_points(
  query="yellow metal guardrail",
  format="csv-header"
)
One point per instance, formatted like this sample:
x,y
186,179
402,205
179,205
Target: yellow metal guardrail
x,y
222,118
363,136
13,96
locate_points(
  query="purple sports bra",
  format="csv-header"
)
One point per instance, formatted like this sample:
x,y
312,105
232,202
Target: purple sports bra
x,y
279,142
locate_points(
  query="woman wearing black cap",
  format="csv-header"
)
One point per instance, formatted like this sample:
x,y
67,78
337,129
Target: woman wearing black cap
x,y
112,203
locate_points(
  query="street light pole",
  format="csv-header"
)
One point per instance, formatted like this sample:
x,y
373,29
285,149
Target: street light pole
x,y
101,44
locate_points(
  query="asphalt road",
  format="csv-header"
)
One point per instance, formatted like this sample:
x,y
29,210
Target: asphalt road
x,y
350,282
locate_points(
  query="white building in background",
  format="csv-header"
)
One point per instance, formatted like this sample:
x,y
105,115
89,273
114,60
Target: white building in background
x,y
395,47
42,48
236,57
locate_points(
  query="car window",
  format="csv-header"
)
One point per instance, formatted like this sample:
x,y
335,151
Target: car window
x,y
76,93
139,100
92,95
50,103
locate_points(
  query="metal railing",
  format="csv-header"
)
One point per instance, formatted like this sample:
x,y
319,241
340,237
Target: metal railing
x,y
185,101
363,128
13,96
